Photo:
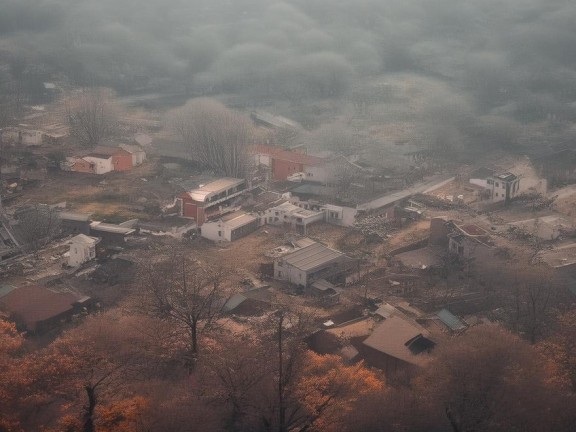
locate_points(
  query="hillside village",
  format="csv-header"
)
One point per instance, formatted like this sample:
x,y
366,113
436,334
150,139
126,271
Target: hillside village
x,y
115,199
388,266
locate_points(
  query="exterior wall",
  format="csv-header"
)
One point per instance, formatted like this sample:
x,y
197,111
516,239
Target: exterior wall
x,y
83,166
122,161
262,159
317,174
101,166
281,169
289,273
23,136
244,230
468,248
138,158
342,216
503,190
192,210
81,253
214,231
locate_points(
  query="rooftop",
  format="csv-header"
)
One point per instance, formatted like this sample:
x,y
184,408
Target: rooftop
x,y
450,320
311,257
238,219
98,155
32,303
506,176
399,337
286,155
110,228
84,239
294,209
200,194
71,216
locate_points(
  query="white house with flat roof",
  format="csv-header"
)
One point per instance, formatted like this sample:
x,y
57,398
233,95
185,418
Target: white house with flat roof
x,y
288,214
230,227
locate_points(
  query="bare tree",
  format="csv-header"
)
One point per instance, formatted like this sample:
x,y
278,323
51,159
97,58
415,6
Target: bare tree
x,y
38,226
92,116
186,292
215,135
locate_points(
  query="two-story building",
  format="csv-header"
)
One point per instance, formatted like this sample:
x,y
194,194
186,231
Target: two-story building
x,y
211,200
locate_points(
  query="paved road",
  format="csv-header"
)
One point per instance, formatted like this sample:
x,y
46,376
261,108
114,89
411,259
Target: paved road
x,y
422,187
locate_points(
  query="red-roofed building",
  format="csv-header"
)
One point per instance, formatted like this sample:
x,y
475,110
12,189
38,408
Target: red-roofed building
x,y
121,158
211,200
35,309
285,163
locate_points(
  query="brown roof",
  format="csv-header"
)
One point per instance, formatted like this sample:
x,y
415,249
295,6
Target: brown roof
x,y
393,337
31,304
281,154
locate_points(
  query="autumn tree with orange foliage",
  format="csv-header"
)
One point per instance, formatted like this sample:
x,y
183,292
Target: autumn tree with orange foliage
x,y
328,390
12,380
489,379
561,349
78,382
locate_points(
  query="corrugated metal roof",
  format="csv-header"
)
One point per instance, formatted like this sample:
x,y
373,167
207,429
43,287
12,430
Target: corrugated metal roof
x,y
214,187
313,256
239,220
450,320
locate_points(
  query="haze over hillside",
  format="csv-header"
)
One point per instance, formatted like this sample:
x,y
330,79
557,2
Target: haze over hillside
x,y
481,69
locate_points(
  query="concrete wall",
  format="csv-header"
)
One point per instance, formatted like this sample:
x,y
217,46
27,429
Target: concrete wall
x,y
342,216
317,173
101,166
289,273
81,253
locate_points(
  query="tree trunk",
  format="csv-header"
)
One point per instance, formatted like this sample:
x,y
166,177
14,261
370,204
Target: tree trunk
x,y
88,425
281,408
453,422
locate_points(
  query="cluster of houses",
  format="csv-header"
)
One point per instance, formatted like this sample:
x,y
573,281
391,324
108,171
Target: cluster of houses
x,y
105,159
27,135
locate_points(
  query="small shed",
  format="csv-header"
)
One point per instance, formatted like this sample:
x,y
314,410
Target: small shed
x,y
82,249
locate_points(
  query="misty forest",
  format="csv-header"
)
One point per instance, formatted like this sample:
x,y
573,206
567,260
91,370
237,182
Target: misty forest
x,y
287,215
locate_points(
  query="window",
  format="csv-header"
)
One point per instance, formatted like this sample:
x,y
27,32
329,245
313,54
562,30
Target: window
x,y
299,220
496,193
280,274
497,184
489,182
503,186
219,233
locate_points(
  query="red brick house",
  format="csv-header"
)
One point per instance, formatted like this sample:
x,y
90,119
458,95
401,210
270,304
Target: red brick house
x,y
121,158
284,163
211,200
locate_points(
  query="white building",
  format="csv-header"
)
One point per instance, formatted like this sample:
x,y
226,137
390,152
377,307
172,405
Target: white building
x,y
288,214
82,249
102,164
503,187
23,136
230,227
312,263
